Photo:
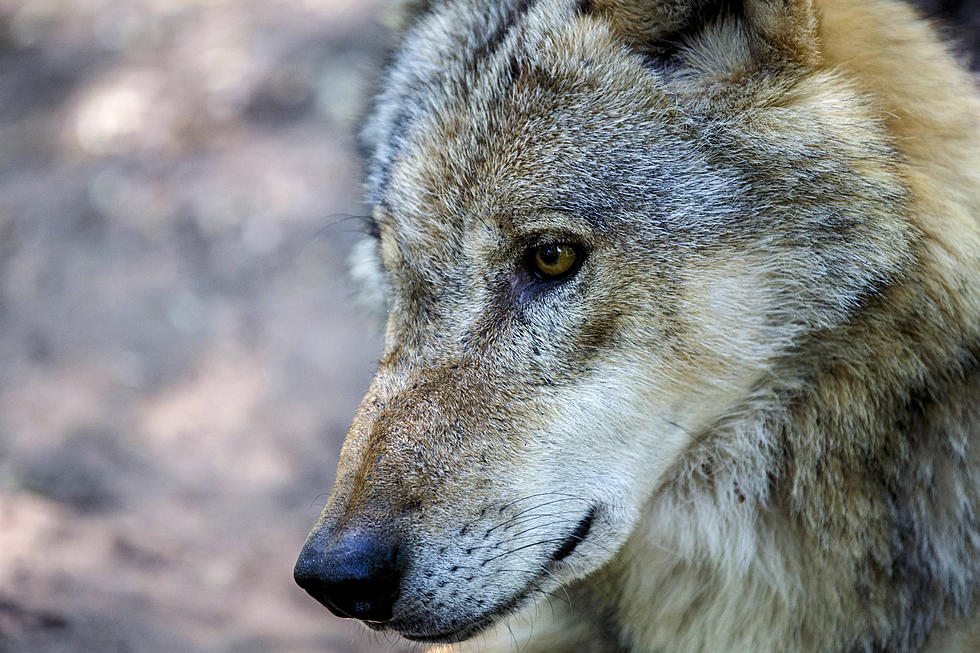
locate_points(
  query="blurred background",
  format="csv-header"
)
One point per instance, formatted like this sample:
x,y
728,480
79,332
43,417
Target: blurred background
x,y
180,353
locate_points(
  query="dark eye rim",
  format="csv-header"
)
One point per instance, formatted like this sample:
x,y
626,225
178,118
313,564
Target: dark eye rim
x,y
542,278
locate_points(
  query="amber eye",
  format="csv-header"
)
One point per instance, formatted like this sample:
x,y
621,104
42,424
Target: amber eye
x,y
552,262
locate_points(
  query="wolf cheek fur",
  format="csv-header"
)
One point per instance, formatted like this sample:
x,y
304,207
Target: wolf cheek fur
x,y
748,419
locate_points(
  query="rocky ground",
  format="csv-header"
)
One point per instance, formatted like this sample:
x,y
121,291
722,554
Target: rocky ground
x,y
179,352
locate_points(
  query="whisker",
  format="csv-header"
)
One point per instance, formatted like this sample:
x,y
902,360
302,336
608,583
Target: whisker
x,y
317,498
531,509
527,519
537,526
526,546
534,496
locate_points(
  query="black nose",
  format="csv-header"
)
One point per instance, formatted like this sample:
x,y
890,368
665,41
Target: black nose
x,y
354,575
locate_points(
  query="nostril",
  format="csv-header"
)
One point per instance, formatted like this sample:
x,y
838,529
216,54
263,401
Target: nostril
x,y
355,575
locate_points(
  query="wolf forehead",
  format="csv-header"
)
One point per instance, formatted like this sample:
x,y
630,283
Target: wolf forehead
x,y
517,104
490,108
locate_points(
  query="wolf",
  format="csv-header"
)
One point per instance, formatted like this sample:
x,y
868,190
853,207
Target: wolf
x,y
682,340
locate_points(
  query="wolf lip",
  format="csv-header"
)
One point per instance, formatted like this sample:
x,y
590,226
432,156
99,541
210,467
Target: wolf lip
x,y
477,624
452,636
468,628
567,547
576,537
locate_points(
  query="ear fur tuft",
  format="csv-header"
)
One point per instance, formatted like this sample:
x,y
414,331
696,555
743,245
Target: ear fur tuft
x,y
646,24
789,26
781,31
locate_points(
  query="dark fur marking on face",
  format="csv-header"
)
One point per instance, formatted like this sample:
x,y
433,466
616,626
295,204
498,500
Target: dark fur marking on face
x,y
515,68
395,138
413,505
497,37
420,87
597,337
962,366
372,227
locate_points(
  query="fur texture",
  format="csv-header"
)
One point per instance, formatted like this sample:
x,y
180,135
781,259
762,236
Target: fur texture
x,y
750,421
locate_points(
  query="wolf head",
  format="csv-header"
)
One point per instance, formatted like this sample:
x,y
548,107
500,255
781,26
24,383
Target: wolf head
x,y
599,229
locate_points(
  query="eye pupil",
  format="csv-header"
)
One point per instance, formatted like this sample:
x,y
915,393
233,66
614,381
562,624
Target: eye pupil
x,y
549,255
554,261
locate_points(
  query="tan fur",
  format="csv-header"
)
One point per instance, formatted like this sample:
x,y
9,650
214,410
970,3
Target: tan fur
x,y
761,389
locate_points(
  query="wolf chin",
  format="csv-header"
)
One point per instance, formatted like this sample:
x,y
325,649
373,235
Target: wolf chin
x,y
682,344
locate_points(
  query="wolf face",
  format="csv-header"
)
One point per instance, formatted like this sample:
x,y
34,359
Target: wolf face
x,y
601,230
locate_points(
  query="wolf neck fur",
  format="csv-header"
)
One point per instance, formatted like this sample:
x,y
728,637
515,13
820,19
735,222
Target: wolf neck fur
x,y
761,523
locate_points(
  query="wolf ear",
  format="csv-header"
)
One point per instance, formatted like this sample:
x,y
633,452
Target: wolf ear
x,y
769,31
